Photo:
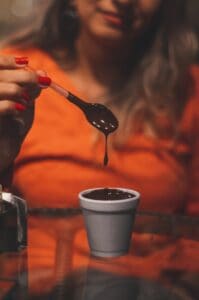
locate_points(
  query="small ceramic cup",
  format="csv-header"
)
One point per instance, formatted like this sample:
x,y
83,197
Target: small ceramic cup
x,y
109,223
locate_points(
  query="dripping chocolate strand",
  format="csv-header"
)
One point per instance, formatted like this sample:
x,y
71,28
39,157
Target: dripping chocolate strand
x,y
106,151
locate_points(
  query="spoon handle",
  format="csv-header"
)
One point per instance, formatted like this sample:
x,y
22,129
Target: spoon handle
x,y
68,95
72,98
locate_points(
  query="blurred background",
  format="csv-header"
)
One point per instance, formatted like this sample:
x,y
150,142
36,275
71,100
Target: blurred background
x,y
19,14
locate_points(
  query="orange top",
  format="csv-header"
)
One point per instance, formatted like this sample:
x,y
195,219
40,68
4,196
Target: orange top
x,y
58,158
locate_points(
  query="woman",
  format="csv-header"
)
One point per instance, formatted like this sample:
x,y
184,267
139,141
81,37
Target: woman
x,y
134,56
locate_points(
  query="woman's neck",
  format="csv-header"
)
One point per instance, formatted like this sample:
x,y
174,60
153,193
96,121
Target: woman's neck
x,y
101,66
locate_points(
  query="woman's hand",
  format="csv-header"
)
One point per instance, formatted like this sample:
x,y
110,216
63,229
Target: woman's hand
x,y
19,87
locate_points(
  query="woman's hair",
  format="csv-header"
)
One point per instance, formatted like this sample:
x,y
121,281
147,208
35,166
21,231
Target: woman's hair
x,y
156,86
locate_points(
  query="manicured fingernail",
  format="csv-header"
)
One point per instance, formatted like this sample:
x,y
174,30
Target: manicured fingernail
x,y
21,60
20,107
44,81
25,96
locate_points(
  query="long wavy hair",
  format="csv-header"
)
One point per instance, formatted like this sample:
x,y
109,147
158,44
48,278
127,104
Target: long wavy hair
x,y
160,60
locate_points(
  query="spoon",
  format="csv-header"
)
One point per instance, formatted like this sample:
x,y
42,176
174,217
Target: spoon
x,y
98,115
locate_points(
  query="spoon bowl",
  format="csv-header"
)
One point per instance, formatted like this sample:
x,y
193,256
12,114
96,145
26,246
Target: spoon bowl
x,y
101,118
97,114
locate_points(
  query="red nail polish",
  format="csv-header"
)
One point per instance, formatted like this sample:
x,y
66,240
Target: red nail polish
x,y
25,96
21,60
20,107
44,81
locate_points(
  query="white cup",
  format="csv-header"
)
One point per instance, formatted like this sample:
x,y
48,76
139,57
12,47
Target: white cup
x,y
109,223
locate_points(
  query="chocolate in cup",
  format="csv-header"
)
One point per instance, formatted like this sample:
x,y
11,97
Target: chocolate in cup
x,y
109,215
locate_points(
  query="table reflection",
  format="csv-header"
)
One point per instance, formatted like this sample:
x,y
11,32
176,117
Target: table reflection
x,y
95,284
162,262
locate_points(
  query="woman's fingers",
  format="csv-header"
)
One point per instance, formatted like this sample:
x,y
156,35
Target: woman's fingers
x,y
30,80
19,84
11,91
16,69
10,62
14,97
11,107
21,76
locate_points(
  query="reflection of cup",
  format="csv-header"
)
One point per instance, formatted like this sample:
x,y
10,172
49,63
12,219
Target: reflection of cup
x,y
104,285
13,223
109,219
100,284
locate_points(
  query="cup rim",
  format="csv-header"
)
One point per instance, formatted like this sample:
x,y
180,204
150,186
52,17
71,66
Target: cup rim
x,y
131,191
109,205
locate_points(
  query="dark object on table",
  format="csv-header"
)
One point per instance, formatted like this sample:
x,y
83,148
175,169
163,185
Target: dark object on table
x,y
13,223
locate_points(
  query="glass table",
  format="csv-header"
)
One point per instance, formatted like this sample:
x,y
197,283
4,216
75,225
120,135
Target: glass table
x,y
162,263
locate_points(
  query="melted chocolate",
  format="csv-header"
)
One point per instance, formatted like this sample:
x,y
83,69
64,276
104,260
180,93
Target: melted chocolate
x,y
108,194
106,151
99,116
